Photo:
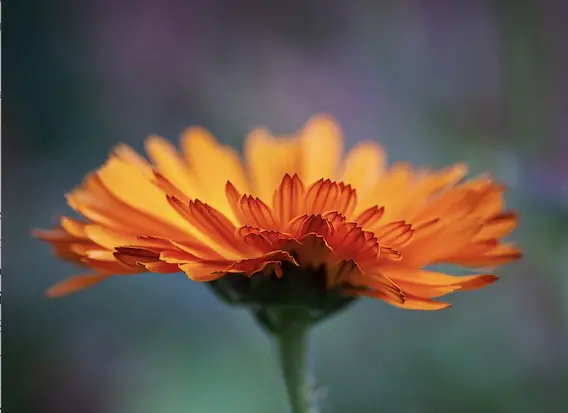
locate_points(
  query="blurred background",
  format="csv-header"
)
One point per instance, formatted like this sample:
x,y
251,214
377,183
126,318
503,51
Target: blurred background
x,y
434,81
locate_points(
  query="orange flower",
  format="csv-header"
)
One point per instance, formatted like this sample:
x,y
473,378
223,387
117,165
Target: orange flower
x,y
298,205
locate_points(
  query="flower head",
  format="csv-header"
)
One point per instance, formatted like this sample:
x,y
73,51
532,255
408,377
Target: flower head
x,y
298,222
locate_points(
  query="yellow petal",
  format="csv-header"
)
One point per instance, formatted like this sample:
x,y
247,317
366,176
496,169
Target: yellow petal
x,y
269,159
128,184
322,149
363,167
213,165
172,166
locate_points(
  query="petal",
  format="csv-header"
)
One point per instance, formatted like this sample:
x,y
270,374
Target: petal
x,y
269,159
422,278
129,155
336,219
499,255
169,188
340,272
410,302
499,225
216,230
441,245
389,254
233,199
74,227
160,267
53,235
325,196
172,166
254,265
213,165
129,185
322,148
257,213
350,241
74,284
177,257
94,201
375,284
198,271
259,242
135,257
370,217
311,224
415,303
321,197
275,238
288,200
363,167
312,251
395,234
393,187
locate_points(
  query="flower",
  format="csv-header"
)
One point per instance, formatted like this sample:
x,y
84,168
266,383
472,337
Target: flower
x,y
298,222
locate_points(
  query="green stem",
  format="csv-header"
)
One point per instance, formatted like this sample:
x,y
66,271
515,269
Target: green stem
x,y
292,341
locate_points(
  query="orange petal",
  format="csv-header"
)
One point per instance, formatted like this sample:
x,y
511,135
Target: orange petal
x,y
499,255
312,224
111,267
336,219
135,257
254,265
324,196
395,234
233,198
258,242
74,227
275,238
352,242
499,225
216,231
370,217
198,271
74,284
347,199
437,279
288,199
312,251
177,257
441,245
160,267
53,235
340,272
410,302
255,212
389,254
378,284
415,303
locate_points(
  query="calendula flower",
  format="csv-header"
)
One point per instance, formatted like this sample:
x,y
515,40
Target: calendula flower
x,y
296,233
352,224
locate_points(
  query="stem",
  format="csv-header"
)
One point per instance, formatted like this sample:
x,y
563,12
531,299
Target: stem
x,y
292,341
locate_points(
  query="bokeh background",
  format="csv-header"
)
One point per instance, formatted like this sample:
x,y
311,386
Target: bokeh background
x,y
434,81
